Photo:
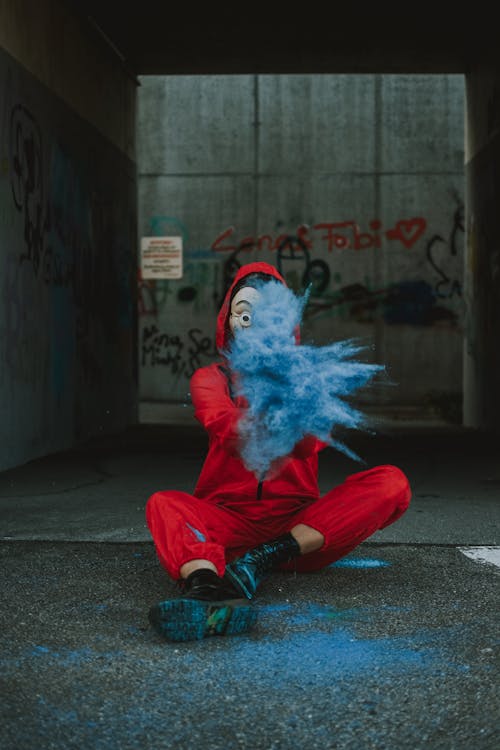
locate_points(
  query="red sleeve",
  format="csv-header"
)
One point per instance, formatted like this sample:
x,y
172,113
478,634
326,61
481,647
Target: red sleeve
x,y
307,446
219,414
214,407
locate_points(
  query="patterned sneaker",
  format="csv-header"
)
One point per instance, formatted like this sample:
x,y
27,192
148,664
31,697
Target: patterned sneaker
x,y
208,606
192,619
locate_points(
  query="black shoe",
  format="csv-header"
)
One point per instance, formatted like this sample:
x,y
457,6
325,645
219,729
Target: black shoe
x,y
208,606
247,572
206,585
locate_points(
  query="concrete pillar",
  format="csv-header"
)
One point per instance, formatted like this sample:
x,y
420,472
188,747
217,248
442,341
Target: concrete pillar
x,y
482,257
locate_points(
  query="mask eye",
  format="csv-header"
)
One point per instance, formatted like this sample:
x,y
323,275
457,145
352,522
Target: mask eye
x,y
246,319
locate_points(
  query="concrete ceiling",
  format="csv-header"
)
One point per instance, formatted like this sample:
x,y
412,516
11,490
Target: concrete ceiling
x,y
162,38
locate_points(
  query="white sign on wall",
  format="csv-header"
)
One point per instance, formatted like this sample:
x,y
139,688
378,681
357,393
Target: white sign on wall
x,y
161,257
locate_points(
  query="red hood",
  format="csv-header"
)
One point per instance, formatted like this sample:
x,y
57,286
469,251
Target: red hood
x,y
223,316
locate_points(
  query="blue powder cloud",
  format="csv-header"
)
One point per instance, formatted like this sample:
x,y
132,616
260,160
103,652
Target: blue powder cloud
x,y
292,390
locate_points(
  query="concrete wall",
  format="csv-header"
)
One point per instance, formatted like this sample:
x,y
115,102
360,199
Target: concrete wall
x,y
482,258
68,233
365,173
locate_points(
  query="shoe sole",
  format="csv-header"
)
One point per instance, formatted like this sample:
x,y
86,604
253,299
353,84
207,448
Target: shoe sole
x,y
193,619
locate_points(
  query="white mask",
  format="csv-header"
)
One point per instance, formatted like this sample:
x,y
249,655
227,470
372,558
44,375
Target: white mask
x,y
241,308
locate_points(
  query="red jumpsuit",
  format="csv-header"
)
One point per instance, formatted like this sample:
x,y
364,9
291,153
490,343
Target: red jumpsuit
x,y
230,511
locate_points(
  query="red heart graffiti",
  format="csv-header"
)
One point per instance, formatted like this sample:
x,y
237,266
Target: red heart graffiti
x,y
407,231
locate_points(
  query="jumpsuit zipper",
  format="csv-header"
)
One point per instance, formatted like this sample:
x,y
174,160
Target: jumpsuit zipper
x,y
259,489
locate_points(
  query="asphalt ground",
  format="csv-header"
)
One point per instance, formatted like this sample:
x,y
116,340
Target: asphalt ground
x,y
394,647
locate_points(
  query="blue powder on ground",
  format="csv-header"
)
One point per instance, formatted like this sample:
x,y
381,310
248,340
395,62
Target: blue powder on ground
x,y
308,614
360,562
72,657
315,658
296,663
37,650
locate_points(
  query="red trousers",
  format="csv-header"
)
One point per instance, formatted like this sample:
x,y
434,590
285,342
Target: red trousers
x,y
185,528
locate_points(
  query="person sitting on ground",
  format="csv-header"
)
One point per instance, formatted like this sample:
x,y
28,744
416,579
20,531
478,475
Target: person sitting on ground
x,y
222,541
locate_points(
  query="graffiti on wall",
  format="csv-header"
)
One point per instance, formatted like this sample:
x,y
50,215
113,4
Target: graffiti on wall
x,y
447,286
417,302
195,296
199,287
414,302
76,249
180,354
330,236
298,249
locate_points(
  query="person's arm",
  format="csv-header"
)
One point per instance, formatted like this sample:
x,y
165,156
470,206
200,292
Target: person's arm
x,y
307,446
219,414
214,407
